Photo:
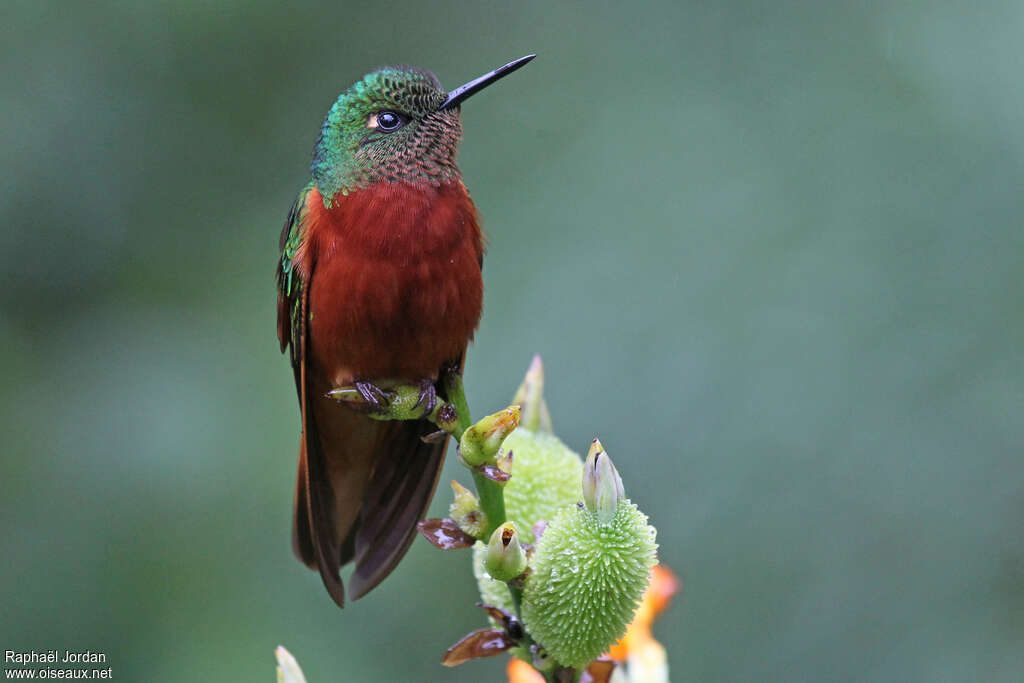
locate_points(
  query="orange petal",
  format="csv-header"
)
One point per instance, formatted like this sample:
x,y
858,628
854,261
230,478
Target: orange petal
x,y
664,584
521,672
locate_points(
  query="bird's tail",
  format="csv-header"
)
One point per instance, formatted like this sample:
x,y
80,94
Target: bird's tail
x,y
363,485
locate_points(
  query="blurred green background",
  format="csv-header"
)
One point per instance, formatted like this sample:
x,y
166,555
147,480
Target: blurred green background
x,y
770,252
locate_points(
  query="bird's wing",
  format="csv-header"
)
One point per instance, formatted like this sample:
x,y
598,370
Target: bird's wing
x,y
319,549
290,285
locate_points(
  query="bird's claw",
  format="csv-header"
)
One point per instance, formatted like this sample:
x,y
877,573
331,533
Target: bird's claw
x,y
377,400
428,396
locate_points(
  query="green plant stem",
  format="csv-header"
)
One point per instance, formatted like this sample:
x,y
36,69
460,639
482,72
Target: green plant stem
x,y
517,596
492,502
489,492
457,397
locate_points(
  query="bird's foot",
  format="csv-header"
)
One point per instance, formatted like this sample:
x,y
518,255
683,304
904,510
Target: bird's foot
x,y
399,401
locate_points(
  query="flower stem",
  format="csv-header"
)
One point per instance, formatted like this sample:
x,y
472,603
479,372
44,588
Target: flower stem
x,y
492,502
457,398
490,493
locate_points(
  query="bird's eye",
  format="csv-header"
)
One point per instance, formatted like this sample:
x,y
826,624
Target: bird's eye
x,y
389,121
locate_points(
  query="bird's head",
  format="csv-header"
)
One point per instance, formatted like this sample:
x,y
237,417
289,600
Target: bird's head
x,y
396,124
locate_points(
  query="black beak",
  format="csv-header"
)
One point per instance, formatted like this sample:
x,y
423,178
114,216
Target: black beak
x,y
455,97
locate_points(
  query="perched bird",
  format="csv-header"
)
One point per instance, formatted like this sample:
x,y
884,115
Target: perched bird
x,y
379,279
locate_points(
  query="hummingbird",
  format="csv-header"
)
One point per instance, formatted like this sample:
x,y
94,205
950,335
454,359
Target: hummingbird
x,y
379,281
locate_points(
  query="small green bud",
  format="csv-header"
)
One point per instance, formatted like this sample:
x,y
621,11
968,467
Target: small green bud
x,y
602,485
480,443
587,578
465,510
492,591
505,559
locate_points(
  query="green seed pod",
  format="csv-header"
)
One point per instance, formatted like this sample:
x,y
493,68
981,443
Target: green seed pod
x,y
588,577
546,477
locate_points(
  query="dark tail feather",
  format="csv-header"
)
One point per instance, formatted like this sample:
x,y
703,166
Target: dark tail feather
x,y
397,498
363,486
302,535
321,517
338,451
367,483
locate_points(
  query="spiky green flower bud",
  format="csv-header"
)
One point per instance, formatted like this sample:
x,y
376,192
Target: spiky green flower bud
x,y
588,575
480,443
505,559
465,510
602,485
546,477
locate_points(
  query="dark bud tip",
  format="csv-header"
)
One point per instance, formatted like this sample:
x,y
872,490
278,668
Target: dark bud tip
x,y
494,473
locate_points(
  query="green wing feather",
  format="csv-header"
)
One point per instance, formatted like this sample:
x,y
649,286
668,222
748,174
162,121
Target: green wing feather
x,y
289,282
